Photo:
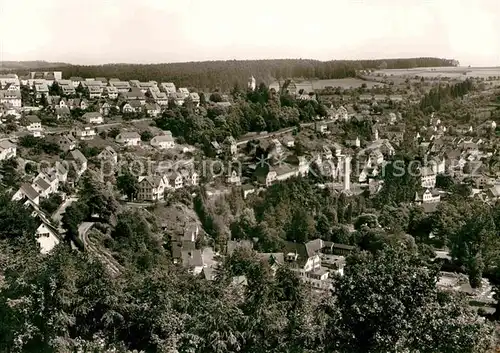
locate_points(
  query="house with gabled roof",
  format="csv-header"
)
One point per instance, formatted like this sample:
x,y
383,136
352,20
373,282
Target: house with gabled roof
x,y
65,141
43,186
165,141
231,145
128,138
33,123
84,133
7,150
79,161
111,92
93,118
108,154
47,235
151,188
27,191
168,87
152,109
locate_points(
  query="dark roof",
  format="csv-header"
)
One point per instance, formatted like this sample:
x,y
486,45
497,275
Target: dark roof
x,y
314,246
33,118
29,191
42,184
299,249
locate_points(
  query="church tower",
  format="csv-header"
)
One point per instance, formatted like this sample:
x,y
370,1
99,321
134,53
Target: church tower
x,y
252,84
347,173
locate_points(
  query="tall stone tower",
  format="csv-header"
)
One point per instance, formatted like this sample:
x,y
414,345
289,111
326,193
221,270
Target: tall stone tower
x,y
252,84
375,135
347,173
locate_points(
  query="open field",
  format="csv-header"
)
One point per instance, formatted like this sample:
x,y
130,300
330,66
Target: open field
x,y
344,83
451,72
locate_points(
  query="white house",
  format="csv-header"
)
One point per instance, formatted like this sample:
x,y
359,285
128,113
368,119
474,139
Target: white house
x,y
163,141
129,138
111,92
153,110
184,91
11,97
47,237
86,133
93,118
234,178
429,196
33,123
7,150
428,177
168,87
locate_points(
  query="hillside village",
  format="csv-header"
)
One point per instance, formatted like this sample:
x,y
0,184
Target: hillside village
x,y
57,129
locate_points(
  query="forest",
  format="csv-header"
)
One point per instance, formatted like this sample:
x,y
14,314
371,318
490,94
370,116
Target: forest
x,y
210,75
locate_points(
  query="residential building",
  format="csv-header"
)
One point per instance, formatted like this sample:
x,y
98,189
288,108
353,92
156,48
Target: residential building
x,y
108,154
231,145
322,128
93,118
121,86
233,178
33,123
62,112
305,260
195,98
27,191
11,97
65,141
145,86
9,79
85,133
428,177
160,98
50,177
76,81
134,94
168,87
68,89
94,91
428,196
47,237
105,108
44,187
151,188
342,114
175,181
153,109
7,150
111,92
163,141
184,91
40,90
127,138
79,162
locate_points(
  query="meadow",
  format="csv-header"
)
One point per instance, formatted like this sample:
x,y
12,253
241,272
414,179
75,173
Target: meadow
x,y
344,83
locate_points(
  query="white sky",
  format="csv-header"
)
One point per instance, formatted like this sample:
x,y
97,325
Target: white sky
x,y
147,31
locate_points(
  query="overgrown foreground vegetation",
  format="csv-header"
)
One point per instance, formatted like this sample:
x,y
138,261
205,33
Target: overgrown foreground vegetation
x,y
386,302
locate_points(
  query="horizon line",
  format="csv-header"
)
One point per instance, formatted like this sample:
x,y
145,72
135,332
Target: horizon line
x,y
225,60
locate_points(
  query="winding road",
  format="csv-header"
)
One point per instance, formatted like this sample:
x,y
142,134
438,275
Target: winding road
x,y
113,266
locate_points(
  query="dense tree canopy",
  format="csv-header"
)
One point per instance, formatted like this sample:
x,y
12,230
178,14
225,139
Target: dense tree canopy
x,y
223,74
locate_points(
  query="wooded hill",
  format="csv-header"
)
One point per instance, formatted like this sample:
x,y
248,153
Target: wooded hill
x,y
225,74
